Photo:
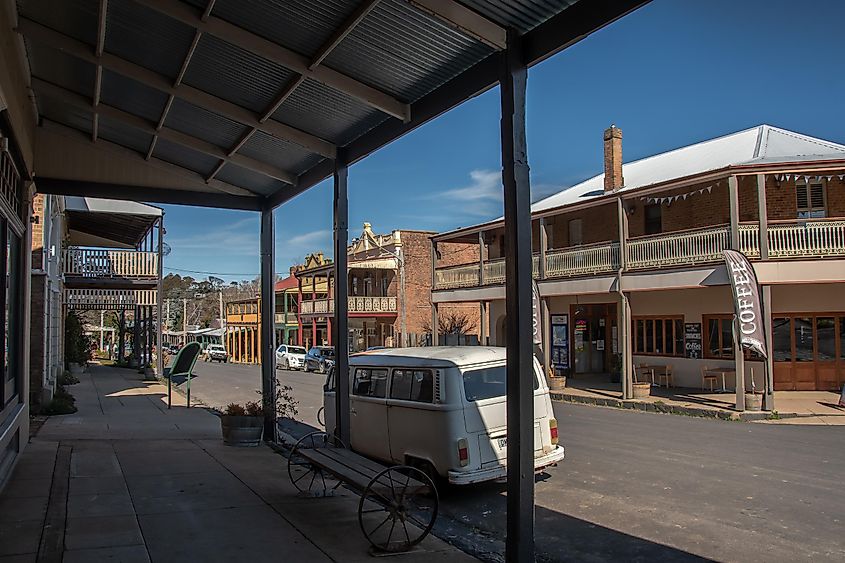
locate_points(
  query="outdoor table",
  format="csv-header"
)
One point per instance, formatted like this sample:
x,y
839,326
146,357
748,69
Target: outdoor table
x,y
654,369
722,372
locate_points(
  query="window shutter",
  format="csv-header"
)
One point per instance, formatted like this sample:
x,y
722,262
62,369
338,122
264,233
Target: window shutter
x,y
801,191
817,196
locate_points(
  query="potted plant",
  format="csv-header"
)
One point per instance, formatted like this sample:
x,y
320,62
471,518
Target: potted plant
x,y
242,425
754,399
556,382
76,345
616,369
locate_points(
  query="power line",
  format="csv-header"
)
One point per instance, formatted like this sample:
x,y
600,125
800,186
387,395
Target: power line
x,y
208,273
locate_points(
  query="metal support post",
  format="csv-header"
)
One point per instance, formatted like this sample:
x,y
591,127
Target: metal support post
x,y
159,296
341,295
519,546
268,356
769,386
739,362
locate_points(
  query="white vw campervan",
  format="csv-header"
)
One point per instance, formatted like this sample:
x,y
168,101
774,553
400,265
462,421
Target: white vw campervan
x,y
442,409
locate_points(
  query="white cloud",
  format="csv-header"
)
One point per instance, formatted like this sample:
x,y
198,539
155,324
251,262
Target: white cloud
x,y
486,186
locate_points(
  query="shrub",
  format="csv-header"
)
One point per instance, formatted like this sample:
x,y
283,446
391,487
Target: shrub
x,y
76,344
68,378
62,403
234,409
254,409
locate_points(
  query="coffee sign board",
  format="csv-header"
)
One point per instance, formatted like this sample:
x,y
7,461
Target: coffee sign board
x,y
692,340
747,306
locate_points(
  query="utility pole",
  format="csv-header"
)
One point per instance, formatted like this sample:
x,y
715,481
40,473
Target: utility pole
x,y
220,294
184,321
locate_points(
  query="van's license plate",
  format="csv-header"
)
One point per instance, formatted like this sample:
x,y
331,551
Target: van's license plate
x,y
503,443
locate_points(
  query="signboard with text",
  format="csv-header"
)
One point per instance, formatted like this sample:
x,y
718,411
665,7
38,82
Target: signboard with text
x,y
692,340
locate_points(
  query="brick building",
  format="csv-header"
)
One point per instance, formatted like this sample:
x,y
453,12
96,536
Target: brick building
x,y
389,292
630,269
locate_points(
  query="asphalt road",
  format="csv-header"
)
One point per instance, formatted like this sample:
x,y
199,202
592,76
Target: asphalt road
x,y
642,486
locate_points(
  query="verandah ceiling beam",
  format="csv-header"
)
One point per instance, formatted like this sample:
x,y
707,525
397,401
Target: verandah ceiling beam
x,y
465,20
46,36
171,135
280,55
340,33
98,77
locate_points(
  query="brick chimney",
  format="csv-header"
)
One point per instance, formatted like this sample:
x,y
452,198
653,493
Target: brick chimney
x,y
613,159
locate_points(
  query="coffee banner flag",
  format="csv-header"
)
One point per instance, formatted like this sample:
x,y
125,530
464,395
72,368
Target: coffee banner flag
x,y
747,306
538,323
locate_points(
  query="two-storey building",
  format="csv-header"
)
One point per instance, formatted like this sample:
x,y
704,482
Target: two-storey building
x,y
629,263
389,281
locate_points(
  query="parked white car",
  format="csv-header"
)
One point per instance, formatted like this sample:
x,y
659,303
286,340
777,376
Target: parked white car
x,y
290,357
216,353
442,409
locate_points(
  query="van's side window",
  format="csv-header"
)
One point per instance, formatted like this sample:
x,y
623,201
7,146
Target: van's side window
x,y
370,382
412,385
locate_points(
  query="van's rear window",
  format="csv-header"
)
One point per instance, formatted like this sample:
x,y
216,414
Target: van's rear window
x,y
486,383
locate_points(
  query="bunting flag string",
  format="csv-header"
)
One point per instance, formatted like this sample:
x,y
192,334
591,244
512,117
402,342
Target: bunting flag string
x,y
668,200
807,177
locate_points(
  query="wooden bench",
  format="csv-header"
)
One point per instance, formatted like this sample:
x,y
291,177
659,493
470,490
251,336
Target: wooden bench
x,y
398,504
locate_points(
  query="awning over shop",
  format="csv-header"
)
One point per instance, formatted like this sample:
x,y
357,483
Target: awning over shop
x,y
108,223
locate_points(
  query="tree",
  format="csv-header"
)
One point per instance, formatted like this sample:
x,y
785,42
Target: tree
x,y
452,322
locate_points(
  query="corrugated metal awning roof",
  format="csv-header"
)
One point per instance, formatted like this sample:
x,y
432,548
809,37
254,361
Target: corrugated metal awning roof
x,y
244,103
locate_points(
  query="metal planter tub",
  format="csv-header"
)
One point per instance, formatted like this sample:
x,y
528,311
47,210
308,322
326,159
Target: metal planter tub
x,y
242,431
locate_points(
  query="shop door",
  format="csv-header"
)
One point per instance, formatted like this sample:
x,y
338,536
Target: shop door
x,y
590,338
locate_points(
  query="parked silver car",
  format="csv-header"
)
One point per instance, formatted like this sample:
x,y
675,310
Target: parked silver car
x,y
290,357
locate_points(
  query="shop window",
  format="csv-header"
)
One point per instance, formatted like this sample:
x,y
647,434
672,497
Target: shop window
x,y
803,330
718,336
653,219
781,339
659,336
10,327
825,339
842,338
810,199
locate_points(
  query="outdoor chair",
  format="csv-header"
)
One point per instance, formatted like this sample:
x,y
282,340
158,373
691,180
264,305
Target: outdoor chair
x,y
666,377
706,378
182,367
642,373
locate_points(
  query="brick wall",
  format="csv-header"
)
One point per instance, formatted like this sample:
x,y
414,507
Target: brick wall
x,y
37,351
598,224
417,252
38,232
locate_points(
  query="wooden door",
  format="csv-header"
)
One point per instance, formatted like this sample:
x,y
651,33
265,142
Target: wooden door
x,y
782,354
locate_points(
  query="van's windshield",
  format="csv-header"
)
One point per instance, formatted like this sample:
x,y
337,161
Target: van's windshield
x,y
486,383
296,350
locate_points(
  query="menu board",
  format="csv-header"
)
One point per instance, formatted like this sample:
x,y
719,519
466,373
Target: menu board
x,y
560,342
692,340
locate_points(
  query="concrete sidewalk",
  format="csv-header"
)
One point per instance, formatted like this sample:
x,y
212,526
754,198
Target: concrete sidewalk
x,y
125,479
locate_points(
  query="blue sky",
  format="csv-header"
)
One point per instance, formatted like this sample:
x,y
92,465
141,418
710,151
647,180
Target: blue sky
x,y
673,73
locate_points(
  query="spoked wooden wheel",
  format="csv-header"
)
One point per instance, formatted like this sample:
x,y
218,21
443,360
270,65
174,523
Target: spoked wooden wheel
x,y
308,478
398,508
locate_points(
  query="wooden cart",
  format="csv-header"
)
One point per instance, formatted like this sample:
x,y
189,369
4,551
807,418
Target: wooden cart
x,y
398,504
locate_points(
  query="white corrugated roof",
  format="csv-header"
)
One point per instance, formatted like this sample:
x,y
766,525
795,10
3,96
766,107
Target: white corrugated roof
x,y
761,144
98,205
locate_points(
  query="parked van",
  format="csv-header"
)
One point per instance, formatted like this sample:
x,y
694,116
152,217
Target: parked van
x,y
442,409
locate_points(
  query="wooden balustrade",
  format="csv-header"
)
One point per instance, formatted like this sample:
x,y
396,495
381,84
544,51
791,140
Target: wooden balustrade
x,y
806,239
109,299
357,304
681,248
98,263
582,260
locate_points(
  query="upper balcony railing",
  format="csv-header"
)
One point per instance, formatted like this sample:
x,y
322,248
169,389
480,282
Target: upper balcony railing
x,y
94,263
816,238
285,318
357,304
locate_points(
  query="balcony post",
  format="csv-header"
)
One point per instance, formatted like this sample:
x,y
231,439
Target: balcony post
x,y
341,294
519,544
544,247
434,321
733,200
299,328
624,313
739,365
762,217
769,394
267,328
481,257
